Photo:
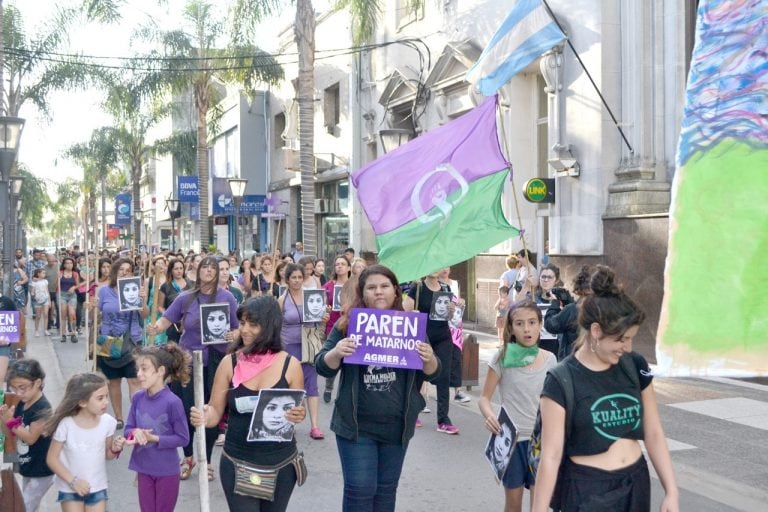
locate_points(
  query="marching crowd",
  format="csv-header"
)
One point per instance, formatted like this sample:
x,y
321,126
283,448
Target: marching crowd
x,y
579,398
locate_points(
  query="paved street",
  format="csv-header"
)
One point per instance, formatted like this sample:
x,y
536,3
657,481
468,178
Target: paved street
x,y
718,432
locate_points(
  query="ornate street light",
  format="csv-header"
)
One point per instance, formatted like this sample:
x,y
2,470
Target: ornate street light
x,y
393,138
237,188
172,205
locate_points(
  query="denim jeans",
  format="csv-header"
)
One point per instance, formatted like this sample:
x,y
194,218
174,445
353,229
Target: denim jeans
x,y
371,473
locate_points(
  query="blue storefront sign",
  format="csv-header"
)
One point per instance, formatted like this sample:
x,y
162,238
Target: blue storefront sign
x,y
189,189
253,204
123,209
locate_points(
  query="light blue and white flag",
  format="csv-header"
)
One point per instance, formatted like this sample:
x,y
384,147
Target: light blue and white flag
x,y
523,37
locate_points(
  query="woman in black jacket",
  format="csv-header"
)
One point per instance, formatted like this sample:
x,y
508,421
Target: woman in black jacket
x,y
563,312
376,407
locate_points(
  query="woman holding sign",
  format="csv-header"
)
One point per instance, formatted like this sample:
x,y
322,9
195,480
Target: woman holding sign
x,y
258,363
375,412
292,305
341,273
185,309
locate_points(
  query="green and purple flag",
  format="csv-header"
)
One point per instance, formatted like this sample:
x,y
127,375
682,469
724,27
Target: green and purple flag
x,y
714,318
436,201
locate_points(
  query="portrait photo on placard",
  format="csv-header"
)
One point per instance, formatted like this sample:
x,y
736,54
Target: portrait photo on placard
x,y
269,421
439,309
337,297
128,289
458,314
214,322
499,449
314,304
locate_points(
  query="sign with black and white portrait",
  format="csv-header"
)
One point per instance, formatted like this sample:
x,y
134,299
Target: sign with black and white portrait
x,y
269,421
314,304
500,447
128,290
439,310
214,322
337,297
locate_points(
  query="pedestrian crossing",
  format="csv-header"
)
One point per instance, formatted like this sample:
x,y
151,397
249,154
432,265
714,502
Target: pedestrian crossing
x,y
744,411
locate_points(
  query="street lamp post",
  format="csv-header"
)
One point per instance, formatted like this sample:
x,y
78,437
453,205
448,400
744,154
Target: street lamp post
x,y
10,135
237,187
172,205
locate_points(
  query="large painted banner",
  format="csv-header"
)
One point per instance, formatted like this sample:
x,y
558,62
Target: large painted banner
x,y
714,318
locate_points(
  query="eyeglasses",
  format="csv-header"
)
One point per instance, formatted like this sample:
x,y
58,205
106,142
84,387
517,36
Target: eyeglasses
x,y
20,389
546,278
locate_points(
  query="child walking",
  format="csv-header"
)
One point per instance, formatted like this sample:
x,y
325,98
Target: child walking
x,y
502,308
518,369
157,426
82,441
41,301
26,423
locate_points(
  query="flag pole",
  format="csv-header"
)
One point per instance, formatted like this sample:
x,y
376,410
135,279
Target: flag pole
x,y
591,80
202,473
87,278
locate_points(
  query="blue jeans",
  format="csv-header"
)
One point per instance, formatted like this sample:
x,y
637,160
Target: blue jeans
x,y
371,472
89,499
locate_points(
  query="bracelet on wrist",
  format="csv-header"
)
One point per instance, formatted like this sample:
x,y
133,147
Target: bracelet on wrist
x,y
72,482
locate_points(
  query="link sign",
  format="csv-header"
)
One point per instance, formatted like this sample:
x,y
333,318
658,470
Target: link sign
x,y
539,190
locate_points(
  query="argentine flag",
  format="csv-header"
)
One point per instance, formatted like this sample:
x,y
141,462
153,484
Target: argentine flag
x,y
523,37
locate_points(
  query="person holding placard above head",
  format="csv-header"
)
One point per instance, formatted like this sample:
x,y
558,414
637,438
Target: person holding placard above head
x,y
518,370
342,271
293,330
374,415
185,309
257,363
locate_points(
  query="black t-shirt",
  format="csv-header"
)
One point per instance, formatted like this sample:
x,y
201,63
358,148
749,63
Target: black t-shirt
x,y
607,405
437,330
32,457
380,403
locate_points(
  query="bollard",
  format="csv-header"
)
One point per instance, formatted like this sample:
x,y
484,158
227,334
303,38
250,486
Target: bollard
x,y
470,361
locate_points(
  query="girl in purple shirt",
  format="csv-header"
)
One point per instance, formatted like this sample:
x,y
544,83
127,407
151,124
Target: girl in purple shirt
x,y
157,426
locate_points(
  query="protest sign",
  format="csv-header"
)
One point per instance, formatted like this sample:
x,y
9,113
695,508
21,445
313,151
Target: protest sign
x,y
10,326
387,338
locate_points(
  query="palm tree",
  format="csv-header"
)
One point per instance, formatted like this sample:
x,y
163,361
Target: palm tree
x,y
34,197
98,158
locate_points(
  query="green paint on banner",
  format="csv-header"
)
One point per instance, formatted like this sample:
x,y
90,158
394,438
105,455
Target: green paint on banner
x,y
717,275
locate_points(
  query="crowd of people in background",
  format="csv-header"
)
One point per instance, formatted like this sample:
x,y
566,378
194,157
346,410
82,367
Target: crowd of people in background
x,y
249,316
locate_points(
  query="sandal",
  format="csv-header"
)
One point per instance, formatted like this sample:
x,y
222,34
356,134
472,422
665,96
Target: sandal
x,y
211,475
187,464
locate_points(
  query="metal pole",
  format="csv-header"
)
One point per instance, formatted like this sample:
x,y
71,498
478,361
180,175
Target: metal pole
x,y
173,233
202,462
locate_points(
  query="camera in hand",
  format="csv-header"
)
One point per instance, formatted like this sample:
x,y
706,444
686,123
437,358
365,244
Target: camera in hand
x,y
562,295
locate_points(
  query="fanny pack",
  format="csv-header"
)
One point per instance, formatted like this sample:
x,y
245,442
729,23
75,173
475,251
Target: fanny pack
x,y
259,481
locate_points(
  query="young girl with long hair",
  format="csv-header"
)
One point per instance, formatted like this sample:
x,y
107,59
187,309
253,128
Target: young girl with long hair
x,y
41,301
517,370
157,426
25,423
604,466
83,438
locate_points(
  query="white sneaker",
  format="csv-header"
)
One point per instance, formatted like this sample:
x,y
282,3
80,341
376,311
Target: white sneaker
x,y
462,398
426,410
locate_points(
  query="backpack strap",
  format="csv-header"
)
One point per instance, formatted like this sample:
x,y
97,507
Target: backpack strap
x,y
629,367
562,373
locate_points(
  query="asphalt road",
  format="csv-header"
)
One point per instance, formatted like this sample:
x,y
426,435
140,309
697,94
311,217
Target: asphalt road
x,y
720,457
